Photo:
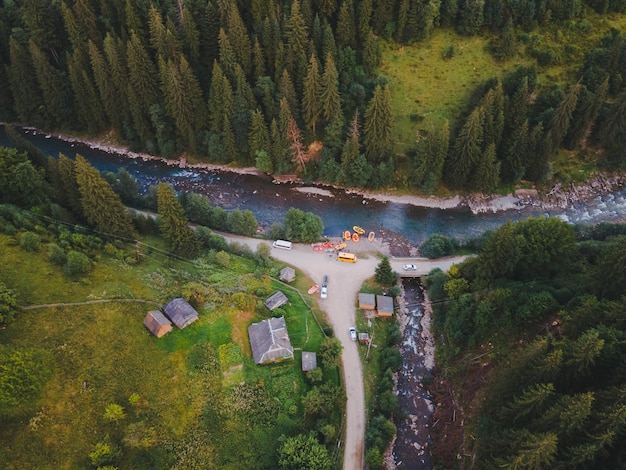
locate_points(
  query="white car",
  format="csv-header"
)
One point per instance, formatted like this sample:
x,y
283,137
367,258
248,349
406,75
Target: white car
x,y
409,267
324,292
352,333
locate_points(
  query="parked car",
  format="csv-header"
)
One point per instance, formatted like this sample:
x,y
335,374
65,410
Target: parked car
x,y
409,267
352,333
324,292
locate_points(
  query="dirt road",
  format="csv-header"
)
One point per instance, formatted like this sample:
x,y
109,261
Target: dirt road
x,y
345,280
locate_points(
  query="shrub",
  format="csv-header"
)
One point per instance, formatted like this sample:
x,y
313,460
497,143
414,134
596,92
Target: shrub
x,y
56,255
77,264
222,258
30,241
438,245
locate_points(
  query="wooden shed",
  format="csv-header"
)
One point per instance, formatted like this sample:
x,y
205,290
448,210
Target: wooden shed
x,y
309,361
287,274
367,301
157,323
364,337
270,342
180,312
384,305
277,299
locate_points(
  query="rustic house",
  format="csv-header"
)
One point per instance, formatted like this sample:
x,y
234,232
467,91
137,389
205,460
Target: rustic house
x,y
277,299
367,301
180,312
309,361
270,342
384,305
287,274
157,324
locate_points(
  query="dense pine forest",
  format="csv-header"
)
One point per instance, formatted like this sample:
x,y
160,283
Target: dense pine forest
x,y
294,87
532,333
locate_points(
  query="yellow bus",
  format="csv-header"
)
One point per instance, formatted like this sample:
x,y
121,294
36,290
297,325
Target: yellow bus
x,y
346,257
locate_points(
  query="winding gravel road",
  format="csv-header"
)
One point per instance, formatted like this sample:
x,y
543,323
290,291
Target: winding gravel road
x,y
345,280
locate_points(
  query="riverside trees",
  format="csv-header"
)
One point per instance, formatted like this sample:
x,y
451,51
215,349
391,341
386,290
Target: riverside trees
x,y
533,309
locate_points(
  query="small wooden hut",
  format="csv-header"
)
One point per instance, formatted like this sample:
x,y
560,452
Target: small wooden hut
x,y
364,337
309,361
367,301
157,323
277,299
180,312
287,274
384,305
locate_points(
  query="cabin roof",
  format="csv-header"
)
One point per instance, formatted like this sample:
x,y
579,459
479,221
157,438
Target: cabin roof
x,y
367,301
269,340
384,305
287,274
309,361
157,323
277,299
180,312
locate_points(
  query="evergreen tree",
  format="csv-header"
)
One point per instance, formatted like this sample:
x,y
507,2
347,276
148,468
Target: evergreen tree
x,y
70,193
513,160
239,38
585,115
330,100
163,38
467,150
384,274
173,224
329,47
102,208
538,166
287,91
105,85
493,115
228,59
364,18
560,121
432,151
87,20
258,60
346,28
88,105
190,36
28,99
51,87
371,53
379,126
296,34
142,88
311,109
516,108
486,176
259,137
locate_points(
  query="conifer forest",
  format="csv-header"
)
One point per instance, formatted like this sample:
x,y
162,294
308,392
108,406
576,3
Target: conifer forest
x,y
294,87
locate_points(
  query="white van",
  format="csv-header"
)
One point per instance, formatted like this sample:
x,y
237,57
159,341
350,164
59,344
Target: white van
x,y
284,244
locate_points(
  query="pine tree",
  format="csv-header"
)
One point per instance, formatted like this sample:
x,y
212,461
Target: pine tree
x,y
371,53
364,18
493,115
101,206
329,47
190,36
163,37
67,176
329,98
560,121
87,20
467,150
183,98
258,60
238,35
514,158
346,28
297,36
287,91
220,99
105,85
402,20
259,136
585,115
228,60
173,224
516,108
88,104
134,24
50,85
142,88
352,147
379,126
486,176
384,274
28,99
311,109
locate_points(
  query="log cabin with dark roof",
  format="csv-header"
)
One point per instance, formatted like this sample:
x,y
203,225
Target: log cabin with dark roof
x,y
180,312
277,299
270,342
157,323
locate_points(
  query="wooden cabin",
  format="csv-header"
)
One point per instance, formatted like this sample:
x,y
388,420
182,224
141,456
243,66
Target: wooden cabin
x,y
287,274
384,305
367,301
180,312
269,341
277,299
157,323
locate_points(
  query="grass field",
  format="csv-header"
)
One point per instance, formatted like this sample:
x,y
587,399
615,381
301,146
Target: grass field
x,y
192,399
428,89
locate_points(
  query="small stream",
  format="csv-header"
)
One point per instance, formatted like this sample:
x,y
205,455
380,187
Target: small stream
x,y
410,450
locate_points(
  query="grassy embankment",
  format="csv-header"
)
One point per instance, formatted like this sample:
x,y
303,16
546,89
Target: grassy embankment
x,y
193,397
428,89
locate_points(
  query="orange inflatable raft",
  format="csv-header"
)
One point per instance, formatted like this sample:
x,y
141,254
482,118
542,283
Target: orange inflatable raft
x,y
355,237
347,235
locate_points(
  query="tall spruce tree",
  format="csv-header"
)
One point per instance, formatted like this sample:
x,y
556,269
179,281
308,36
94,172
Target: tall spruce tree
x,y
560,121
378,127
259,136
50,84
466,151
29,101
330,100
101,206
173,224
311,109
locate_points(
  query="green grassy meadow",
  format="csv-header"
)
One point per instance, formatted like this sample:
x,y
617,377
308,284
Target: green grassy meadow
x,y
192,399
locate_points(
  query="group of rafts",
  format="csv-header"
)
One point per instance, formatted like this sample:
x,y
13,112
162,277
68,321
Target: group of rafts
x,y
355,236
